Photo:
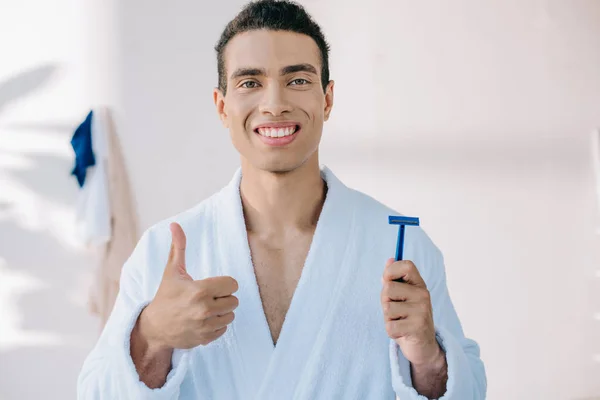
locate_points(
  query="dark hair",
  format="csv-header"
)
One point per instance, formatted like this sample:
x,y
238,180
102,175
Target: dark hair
x,y
275,15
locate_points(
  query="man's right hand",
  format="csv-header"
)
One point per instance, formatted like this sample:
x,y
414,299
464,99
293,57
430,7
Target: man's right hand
x,y
184,313
187,313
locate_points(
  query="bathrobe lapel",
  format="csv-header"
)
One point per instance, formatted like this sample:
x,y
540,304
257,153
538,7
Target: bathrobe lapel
x,y
274,371
251,337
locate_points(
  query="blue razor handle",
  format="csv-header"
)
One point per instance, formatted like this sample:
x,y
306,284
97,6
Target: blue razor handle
x,y
402,222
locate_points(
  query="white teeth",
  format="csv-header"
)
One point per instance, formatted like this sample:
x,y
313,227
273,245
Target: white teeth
x,y
281,132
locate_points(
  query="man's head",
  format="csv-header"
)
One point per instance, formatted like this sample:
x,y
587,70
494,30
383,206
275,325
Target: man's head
x,y
273,68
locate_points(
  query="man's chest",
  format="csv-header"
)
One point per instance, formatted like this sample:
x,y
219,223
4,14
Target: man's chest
x,y
277,272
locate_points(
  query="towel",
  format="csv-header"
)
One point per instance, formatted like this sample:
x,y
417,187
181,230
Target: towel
x,y
82,146
333,343
122,220
92,214
106,220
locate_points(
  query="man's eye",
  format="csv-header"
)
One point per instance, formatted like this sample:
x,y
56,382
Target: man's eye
x,y
249,82
300,79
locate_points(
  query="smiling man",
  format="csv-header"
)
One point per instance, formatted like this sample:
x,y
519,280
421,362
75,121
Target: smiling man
x,y
277,287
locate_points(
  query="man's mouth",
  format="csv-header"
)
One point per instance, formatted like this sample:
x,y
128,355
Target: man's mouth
x,y
278,136
277,132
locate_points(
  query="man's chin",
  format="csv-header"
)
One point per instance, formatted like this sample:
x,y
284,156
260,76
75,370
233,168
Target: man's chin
x,y
279,166
281,163
280,169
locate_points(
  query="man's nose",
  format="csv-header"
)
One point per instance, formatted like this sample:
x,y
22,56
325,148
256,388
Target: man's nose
x,y
274,101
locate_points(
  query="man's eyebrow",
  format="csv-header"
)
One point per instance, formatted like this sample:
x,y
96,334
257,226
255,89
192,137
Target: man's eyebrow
x,y
290,69
248,72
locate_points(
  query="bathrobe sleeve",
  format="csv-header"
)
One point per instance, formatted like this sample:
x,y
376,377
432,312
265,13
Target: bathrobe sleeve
x,y
109,372
466,372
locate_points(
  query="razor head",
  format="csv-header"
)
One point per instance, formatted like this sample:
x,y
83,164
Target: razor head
x,y
401,220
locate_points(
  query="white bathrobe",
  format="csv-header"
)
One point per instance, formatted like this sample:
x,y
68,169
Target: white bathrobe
x,y
333,343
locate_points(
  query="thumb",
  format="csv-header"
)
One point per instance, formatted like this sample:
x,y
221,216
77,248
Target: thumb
x,y
176,263
388,262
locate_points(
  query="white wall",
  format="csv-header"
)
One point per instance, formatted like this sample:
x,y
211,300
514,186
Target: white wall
x,y
45,327
474,116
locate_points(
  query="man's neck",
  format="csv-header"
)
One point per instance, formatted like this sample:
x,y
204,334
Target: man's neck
x,y
277,202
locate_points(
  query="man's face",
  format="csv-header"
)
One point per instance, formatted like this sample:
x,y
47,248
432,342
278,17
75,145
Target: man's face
x,y
274,77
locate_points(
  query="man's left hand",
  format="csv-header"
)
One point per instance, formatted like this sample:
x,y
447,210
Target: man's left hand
x,y
408,315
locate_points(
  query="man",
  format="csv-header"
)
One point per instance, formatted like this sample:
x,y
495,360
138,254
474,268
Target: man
x,y
301,258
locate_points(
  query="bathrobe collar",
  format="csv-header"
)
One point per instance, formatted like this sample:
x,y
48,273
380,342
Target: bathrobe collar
x,y
262,363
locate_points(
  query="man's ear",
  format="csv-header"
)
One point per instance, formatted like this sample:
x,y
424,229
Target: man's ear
x,y
219,100
328,99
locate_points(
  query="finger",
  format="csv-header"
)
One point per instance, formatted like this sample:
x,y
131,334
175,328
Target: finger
x,y
405,270
399,328
218,333
402,291
389,262
219,286
214,307
393,310
223,305
212,336
219,321
176,261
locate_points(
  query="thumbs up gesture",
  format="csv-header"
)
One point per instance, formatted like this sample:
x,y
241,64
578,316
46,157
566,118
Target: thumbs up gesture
x,y
186,313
